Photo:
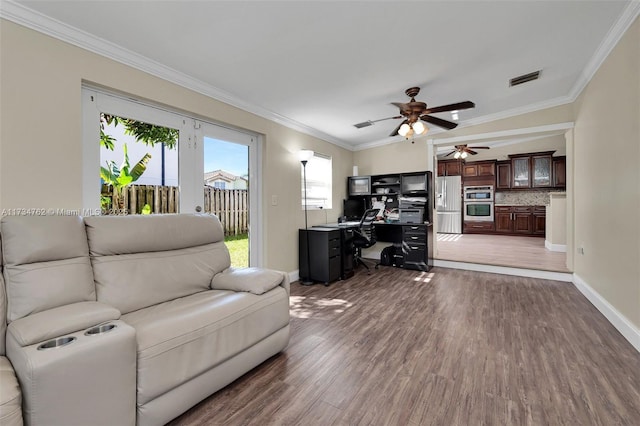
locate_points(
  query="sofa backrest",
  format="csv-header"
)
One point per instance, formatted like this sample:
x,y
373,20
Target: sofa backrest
x,y
46,263
143,260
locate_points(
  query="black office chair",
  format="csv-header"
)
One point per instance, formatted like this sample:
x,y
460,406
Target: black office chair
x,y
364,236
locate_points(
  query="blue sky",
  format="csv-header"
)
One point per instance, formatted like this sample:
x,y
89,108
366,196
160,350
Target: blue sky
x,y
230,157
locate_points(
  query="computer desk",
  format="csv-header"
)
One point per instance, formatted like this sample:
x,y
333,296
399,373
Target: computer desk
x,y
411,242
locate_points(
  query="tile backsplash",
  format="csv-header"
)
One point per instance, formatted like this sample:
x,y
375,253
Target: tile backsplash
x,y
524,198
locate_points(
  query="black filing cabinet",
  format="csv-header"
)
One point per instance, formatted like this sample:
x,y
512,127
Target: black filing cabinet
x,y
414,247
323,261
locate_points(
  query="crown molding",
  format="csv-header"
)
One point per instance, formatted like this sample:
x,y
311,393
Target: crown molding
x,y
614,35
29,18
34,20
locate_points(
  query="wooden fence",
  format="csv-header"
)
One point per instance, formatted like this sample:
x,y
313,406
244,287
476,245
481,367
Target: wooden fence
x,y
230,205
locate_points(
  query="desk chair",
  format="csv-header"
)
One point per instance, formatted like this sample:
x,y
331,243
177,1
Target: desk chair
x,y
364,236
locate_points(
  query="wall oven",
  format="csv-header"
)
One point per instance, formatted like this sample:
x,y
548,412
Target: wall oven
x,y
478,203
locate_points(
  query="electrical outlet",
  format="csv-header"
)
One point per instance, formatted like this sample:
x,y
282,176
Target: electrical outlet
x,y
274,200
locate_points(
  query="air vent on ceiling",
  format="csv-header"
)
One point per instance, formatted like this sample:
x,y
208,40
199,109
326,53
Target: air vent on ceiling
x,y
524,78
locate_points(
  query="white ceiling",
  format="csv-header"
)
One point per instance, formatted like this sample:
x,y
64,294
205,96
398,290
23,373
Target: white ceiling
x,y
322,66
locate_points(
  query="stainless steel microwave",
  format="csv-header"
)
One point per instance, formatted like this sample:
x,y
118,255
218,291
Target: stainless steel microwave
x,y
478,193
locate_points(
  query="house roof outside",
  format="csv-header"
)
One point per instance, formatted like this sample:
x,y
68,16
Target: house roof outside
x,y
222,175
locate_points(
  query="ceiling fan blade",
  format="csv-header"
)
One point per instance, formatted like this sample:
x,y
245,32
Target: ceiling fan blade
x,y
470,151
481,147
372,122
450,153
450,107
395,132
439,122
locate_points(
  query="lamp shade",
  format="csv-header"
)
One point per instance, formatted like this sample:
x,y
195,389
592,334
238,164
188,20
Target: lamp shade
x,y
305,154
419,128
404,129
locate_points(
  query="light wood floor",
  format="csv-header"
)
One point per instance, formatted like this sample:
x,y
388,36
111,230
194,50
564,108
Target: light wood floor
x,y
447,347
501,250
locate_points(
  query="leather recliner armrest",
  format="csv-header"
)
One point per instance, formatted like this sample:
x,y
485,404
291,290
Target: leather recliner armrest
x,y
59,321
253,280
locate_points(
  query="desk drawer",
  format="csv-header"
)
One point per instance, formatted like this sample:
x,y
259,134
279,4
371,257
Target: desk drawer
x,y
415,238
414,229
415,256
334,240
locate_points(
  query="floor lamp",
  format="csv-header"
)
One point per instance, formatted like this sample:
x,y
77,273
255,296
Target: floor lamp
x,y
304,156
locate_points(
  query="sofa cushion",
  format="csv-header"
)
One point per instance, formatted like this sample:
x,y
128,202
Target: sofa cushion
x,y
109,235
253,280
46,263
10,396
139,261
134,281
60,321
182,338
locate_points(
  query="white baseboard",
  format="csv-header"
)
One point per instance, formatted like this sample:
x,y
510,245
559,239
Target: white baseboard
x,y
619,321
505,270
294,276
555,247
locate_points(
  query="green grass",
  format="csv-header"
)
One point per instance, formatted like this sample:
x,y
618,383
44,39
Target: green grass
x,y
238,246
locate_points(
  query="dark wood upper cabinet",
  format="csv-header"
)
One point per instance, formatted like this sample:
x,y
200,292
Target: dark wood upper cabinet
x,y
541,171
449,168
559,172
534,170
479,169
487,168
520,172
503,175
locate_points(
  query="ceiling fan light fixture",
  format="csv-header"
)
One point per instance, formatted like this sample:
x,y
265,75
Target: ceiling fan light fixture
x,y
456,155
404,129
463,155
419,128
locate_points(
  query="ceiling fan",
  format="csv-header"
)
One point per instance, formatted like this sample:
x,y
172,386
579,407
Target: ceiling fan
x,y
461,151
414,111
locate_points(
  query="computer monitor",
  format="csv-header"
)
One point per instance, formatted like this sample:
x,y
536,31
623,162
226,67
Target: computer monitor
x,y
353,208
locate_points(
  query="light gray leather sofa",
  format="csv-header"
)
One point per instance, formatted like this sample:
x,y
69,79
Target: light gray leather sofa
x,y
155,317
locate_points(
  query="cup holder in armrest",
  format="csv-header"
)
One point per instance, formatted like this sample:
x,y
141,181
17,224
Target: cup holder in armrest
x,y
100,329
57,343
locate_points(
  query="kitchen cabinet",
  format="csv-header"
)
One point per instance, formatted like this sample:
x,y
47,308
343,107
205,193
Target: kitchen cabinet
x,y
520,172
534,170
503,175
559,165
477,227
520,220
479,169
539,220
541,171
450,168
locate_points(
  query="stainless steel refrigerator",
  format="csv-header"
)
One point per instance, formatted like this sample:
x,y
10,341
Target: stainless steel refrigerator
x,y
449,204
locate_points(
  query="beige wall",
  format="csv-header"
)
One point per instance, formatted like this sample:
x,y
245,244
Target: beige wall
x,y
392,158
41,127
607,178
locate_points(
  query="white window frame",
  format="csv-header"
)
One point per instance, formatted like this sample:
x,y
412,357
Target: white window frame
x,y
190,167
315,185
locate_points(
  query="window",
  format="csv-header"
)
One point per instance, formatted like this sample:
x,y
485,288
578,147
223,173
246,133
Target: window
x,y
219,184
319,184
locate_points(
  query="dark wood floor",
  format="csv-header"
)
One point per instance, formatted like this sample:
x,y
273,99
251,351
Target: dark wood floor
x,y
447,347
